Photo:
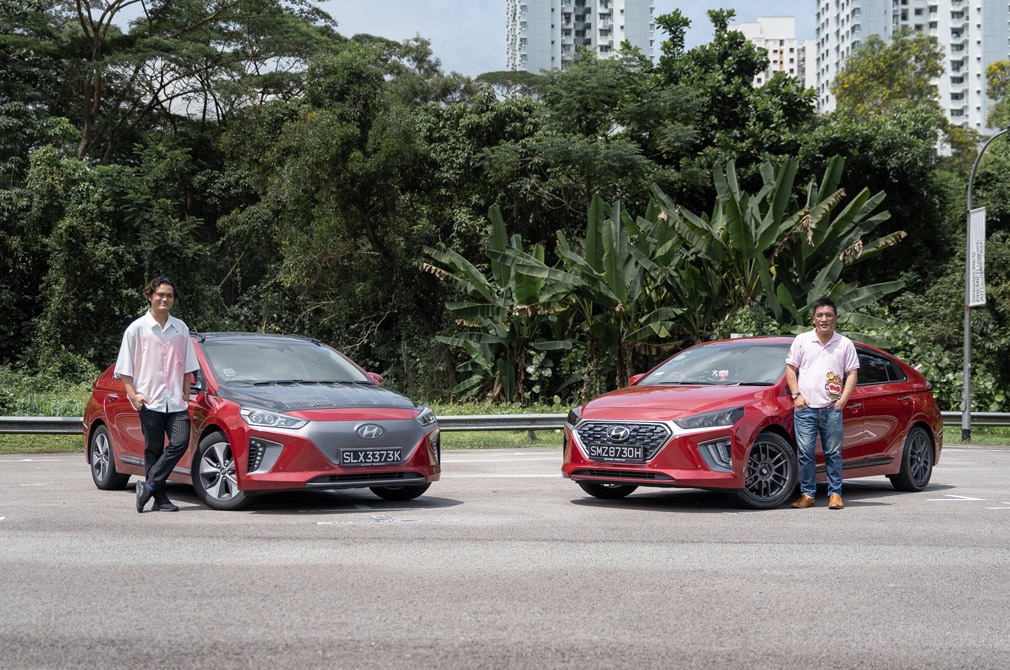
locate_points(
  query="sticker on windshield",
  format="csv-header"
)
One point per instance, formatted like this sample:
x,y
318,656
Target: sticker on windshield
x,y
228,372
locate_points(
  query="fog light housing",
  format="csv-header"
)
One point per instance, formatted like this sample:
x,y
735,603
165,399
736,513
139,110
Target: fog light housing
x,y
260,448
718,454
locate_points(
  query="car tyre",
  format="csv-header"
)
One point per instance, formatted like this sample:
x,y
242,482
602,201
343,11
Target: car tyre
x,y
400,493
916,462
103,462
770,474
214,475
607,491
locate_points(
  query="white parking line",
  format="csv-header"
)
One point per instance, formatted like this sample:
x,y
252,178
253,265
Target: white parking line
x,y
498,460
1002,503
953,498
31,460
37,484
452,476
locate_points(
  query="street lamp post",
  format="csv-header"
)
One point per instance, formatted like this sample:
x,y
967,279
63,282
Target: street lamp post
x,y
966,394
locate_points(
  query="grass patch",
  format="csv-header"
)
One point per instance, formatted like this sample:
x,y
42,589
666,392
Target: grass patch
x,y
40,444
500,439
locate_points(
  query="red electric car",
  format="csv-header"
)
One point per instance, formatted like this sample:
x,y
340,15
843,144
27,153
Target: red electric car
x,y
274,413
719,416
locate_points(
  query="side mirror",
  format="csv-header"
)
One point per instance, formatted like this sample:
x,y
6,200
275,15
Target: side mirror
x,y
635,379
198,385
376,377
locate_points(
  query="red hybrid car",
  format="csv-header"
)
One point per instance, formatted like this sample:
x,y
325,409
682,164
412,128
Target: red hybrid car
x,y
719,416
274,413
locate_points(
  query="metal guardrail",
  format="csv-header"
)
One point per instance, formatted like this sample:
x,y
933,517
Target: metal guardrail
x,y
65,425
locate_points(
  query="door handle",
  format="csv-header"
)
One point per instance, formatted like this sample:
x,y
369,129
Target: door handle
x,y
854,405
113,396
905,399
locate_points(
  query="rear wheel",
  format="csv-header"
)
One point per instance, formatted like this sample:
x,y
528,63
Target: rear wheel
x,y
214,475
607,491
771,473
103,463
399,492
916,462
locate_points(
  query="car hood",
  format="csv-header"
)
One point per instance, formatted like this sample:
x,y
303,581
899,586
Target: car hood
x,y
671,402
293,397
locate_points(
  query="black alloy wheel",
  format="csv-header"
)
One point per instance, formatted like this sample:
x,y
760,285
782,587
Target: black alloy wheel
x,y
771,473
916,462
607,491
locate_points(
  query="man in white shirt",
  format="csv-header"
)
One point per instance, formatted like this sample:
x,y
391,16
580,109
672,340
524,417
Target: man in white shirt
x,y
154,362
826,364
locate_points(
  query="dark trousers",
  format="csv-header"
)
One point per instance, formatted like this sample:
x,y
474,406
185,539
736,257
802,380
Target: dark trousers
x,y
159,460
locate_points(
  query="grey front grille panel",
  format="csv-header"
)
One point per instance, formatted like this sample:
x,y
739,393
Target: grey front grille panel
x,y
650,436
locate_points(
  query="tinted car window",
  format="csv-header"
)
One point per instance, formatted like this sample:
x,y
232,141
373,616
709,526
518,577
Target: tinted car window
x,y
877,369
248,360
743,362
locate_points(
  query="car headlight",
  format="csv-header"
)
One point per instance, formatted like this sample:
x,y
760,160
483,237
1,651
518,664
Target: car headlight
x,y
426,417
723,417
573,417
264,419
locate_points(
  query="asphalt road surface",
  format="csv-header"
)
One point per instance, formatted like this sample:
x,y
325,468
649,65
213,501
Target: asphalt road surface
x,y
503,564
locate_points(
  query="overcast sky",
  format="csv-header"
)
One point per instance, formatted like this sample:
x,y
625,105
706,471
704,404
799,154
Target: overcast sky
x,y
468,36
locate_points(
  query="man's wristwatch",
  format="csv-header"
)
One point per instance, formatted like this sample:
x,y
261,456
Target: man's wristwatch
x,y
795,395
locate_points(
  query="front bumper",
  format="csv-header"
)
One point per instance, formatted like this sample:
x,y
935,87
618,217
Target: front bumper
x,y
679,462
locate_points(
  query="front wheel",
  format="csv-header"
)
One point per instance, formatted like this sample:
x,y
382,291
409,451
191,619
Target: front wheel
x,y
103,463
214,475
607,491
916,462
771,473
399,492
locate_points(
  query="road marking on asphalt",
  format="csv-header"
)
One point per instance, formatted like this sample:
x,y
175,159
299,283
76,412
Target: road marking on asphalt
x,y
376,518
950,497
1002,503
360,508
32,460
2,518
454,476
37,484
497,460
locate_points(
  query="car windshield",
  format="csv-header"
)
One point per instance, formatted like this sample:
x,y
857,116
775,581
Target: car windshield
x,y
745,362
270,361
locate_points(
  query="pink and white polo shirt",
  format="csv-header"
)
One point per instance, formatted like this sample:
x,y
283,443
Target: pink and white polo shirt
x,y
822,368
157,360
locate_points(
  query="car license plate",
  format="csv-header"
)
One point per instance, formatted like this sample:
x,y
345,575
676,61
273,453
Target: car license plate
x,y
356,457
609,452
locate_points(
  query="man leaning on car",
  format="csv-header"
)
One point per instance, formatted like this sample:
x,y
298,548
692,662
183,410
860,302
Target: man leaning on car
x,y
827,365
154,362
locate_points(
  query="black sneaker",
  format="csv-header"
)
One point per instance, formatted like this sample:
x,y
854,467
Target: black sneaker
x,y
164,505
143,495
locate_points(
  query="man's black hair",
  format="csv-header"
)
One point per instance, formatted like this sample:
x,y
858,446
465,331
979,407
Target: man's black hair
x,y
825,302
158,281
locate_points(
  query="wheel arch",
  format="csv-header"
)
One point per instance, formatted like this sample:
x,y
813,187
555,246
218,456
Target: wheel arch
x,y
97,423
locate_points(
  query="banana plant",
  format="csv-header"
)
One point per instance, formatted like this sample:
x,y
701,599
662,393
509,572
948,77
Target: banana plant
x,y
503,318
770,249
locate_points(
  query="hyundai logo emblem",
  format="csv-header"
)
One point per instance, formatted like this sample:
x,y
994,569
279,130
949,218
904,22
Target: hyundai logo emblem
x,y
370,431
619,433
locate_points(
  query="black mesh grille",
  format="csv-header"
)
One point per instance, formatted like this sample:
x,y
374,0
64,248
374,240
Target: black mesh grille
x,y
650,436
622,474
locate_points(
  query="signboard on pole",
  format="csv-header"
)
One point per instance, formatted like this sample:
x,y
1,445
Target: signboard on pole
x,y
976,257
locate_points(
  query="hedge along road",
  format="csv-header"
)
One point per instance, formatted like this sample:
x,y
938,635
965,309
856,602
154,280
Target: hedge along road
x,y
503,564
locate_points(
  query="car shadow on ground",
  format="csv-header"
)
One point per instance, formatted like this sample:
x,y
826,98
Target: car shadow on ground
x,y
349,501
699,501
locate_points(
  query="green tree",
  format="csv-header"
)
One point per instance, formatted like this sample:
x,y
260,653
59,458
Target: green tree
x,y
880,74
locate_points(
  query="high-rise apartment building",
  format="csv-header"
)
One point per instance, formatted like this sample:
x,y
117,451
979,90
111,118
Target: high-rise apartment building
x,y
544,34
777,35
972,33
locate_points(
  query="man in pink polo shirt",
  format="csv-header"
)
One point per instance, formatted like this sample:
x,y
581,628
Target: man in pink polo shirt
x,y
154,363
826,364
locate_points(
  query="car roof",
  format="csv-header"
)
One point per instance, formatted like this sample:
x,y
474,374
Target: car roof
x,y
203,337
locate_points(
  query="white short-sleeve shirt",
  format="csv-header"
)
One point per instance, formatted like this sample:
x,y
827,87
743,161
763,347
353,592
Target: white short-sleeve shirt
x,y
157,359
821,367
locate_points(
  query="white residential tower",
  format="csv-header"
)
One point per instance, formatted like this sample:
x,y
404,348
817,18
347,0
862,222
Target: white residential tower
x,y
544,34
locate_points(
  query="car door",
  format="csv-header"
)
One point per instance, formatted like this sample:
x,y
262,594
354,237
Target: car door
x,y
887,407
124,425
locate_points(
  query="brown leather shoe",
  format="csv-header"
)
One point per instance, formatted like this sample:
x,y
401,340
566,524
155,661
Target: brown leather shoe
x,y
805,501
835,502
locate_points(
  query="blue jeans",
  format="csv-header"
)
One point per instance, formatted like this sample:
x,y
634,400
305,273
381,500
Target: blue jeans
x,y
807,424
